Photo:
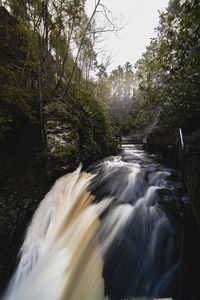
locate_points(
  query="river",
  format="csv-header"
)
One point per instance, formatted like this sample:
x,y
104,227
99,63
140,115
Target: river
x,y
111,232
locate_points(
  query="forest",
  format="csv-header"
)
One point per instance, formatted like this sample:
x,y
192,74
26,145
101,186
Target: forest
x,y
54,88
60,106
45,89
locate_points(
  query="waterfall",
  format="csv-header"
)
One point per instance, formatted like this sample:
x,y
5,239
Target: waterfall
x,y
103,234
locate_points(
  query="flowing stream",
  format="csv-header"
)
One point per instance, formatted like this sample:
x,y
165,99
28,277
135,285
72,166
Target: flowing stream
x,y
108,233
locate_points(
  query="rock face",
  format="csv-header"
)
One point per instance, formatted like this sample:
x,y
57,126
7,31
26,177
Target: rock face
x,y
62,142
22,187
58,136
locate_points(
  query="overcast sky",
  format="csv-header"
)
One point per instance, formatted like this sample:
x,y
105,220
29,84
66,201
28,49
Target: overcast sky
x,y
139,18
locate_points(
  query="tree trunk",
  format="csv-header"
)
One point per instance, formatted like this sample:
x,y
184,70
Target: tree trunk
x,y
80,47
65,59
42,124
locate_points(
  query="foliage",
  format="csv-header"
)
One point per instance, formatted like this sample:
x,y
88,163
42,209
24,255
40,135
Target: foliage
x,y
169,72
116,90
96,136
35,64
17,95
69,153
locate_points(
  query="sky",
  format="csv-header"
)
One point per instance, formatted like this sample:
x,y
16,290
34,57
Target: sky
x,y
139,18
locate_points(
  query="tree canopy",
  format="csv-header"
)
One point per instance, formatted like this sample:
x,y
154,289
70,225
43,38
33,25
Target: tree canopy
x,y
169,70
47,56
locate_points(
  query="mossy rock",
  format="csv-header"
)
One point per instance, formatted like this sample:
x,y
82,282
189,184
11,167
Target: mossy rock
x,y
69,152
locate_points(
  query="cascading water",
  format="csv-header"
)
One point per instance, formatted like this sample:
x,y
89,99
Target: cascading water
x,y
103,234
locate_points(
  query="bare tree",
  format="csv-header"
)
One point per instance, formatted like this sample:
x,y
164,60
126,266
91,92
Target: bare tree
x,y
81,44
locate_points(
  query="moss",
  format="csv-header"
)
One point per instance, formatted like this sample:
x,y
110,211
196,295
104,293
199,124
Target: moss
x,y
69,153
